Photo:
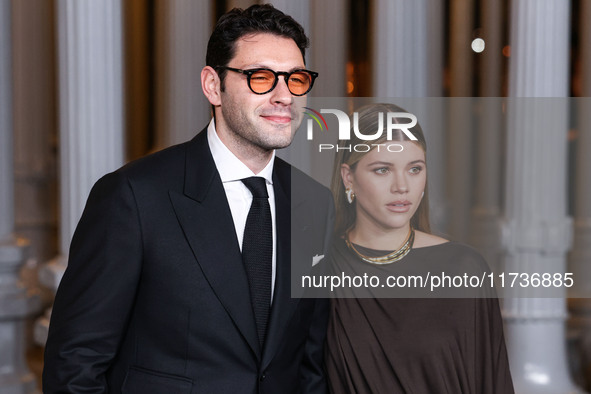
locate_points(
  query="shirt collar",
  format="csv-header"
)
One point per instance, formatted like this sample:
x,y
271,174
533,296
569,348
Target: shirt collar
x,y
228,165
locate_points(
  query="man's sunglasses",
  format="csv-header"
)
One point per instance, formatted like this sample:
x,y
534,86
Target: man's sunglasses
x,y
264,80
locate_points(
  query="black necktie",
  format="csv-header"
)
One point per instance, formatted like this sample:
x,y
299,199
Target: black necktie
x,y
257,251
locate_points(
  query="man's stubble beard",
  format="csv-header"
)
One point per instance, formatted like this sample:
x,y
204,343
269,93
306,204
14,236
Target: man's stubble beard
x,y
246,134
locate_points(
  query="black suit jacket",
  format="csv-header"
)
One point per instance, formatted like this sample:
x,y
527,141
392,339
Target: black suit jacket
x,y
155,298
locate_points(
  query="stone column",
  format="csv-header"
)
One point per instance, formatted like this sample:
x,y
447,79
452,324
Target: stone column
x,y
183,28
298,10
90,114
327,55
299,153
399,37
407,63
17,303
537,231
401,48
408,47
485,234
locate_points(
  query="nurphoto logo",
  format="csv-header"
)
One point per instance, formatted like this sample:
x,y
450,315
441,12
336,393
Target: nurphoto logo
x,y
392,120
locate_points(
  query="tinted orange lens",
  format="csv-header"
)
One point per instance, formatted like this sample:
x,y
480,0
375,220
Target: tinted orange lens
x,y
261,81
299,82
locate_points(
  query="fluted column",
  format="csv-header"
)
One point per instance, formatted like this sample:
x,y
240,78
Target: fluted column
x,y
537,231
407,48
408,62
16,303
298,10
299,153
327,55
90,114
485,234
399,42
183,28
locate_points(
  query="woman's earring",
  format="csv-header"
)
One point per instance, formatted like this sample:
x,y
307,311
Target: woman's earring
x,y
423,195
350,195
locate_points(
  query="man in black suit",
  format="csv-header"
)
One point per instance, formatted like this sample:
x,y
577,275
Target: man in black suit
x,y
179,271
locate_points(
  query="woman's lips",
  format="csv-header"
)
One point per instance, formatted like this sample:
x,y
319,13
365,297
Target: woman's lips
x,y
399,206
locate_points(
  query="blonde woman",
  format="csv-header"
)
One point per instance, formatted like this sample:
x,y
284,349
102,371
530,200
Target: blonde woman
x,y
404,345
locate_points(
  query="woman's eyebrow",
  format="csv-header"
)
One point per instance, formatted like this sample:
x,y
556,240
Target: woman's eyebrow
x,y
382,163
385,163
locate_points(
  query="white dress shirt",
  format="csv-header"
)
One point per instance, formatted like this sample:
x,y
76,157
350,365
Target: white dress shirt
x,y
232,171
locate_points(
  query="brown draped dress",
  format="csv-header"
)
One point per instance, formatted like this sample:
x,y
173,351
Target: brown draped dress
x,y
416,345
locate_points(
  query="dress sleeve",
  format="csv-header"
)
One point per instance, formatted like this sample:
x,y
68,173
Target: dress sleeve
x,y
491,357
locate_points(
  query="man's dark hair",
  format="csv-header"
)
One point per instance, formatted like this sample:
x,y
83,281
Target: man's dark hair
x,y
237,23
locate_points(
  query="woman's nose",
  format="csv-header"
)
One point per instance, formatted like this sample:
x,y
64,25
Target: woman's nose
x,y
399,184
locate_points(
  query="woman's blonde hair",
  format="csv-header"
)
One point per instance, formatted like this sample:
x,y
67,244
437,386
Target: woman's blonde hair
x,y
368,121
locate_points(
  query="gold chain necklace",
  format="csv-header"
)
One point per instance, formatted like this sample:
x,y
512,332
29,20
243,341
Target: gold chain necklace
x,y
389,258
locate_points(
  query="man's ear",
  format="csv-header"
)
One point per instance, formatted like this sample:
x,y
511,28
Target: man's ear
x,y
211,85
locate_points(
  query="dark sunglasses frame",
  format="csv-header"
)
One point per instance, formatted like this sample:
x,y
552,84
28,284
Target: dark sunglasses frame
x,y
285,74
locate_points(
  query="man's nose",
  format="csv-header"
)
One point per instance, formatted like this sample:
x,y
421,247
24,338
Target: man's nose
x,y
281,93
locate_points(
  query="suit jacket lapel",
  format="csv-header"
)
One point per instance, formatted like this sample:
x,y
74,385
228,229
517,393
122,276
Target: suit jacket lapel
x,y
283,305
204,214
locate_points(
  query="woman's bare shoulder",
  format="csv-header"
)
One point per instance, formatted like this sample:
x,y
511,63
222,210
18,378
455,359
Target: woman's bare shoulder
x,y
424,239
